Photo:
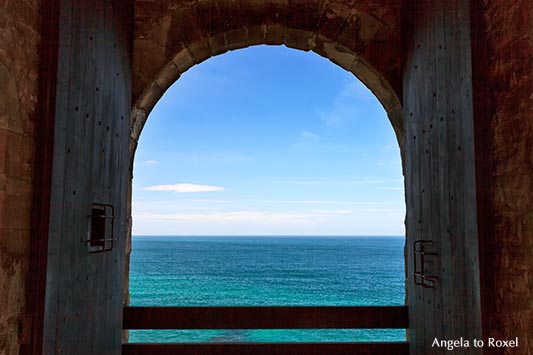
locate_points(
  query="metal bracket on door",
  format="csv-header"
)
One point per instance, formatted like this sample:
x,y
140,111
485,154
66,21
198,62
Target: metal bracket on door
x,y
420,277
100,236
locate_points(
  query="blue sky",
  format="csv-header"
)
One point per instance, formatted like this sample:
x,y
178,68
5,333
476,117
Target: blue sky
x,y
268,141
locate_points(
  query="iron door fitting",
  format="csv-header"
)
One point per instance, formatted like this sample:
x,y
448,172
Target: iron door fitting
x,y
420,253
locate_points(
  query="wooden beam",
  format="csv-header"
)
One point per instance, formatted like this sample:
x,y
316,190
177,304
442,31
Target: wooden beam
x,y
338,317
371,348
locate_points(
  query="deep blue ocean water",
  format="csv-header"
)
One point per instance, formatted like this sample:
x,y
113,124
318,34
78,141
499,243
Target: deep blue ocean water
x,y
258,271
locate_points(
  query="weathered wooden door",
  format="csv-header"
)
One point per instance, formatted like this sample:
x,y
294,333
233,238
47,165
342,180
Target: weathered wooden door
x,y
87,229
443,291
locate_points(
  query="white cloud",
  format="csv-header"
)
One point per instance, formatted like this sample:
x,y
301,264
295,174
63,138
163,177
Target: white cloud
x,y
391,188
184,188
380,163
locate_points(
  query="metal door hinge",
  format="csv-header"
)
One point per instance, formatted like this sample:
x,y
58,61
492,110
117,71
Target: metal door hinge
x,y
419,252
100,236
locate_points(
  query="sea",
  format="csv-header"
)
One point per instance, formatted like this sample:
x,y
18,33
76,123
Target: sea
x,y
261,271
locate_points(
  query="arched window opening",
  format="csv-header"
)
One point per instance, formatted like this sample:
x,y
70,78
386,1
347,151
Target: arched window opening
x,y
268,176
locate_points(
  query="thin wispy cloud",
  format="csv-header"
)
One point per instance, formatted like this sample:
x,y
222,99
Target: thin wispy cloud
x,y
244,216
345,106
391,188
184,188
310,135
150,162
257,222
307,140
317,202
336,212
330,182
379,210
209,201
159,203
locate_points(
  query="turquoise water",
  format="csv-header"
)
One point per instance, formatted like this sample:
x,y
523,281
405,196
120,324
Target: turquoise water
x,y
258,271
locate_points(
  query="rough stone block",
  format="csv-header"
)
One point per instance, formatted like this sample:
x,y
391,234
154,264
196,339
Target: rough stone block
x,y
167,76
218,44
256,35
274,34
335,53
149,97
183,60
200,51
237,38
15,242
17,216
24,12
299,39
19,159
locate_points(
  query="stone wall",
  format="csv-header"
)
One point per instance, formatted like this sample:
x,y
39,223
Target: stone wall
x,y
19,40
504,139
163,50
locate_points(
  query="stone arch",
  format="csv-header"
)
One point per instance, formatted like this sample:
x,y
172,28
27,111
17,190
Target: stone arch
x,y
171,37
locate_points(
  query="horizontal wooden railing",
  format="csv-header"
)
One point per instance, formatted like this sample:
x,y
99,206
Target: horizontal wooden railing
x,y
337,317
372,348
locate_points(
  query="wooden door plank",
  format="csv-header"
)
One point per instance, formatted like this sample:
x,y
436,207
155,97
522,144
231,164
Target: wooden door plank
x,y
441,169
471,282
85,315
412,113
443,178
